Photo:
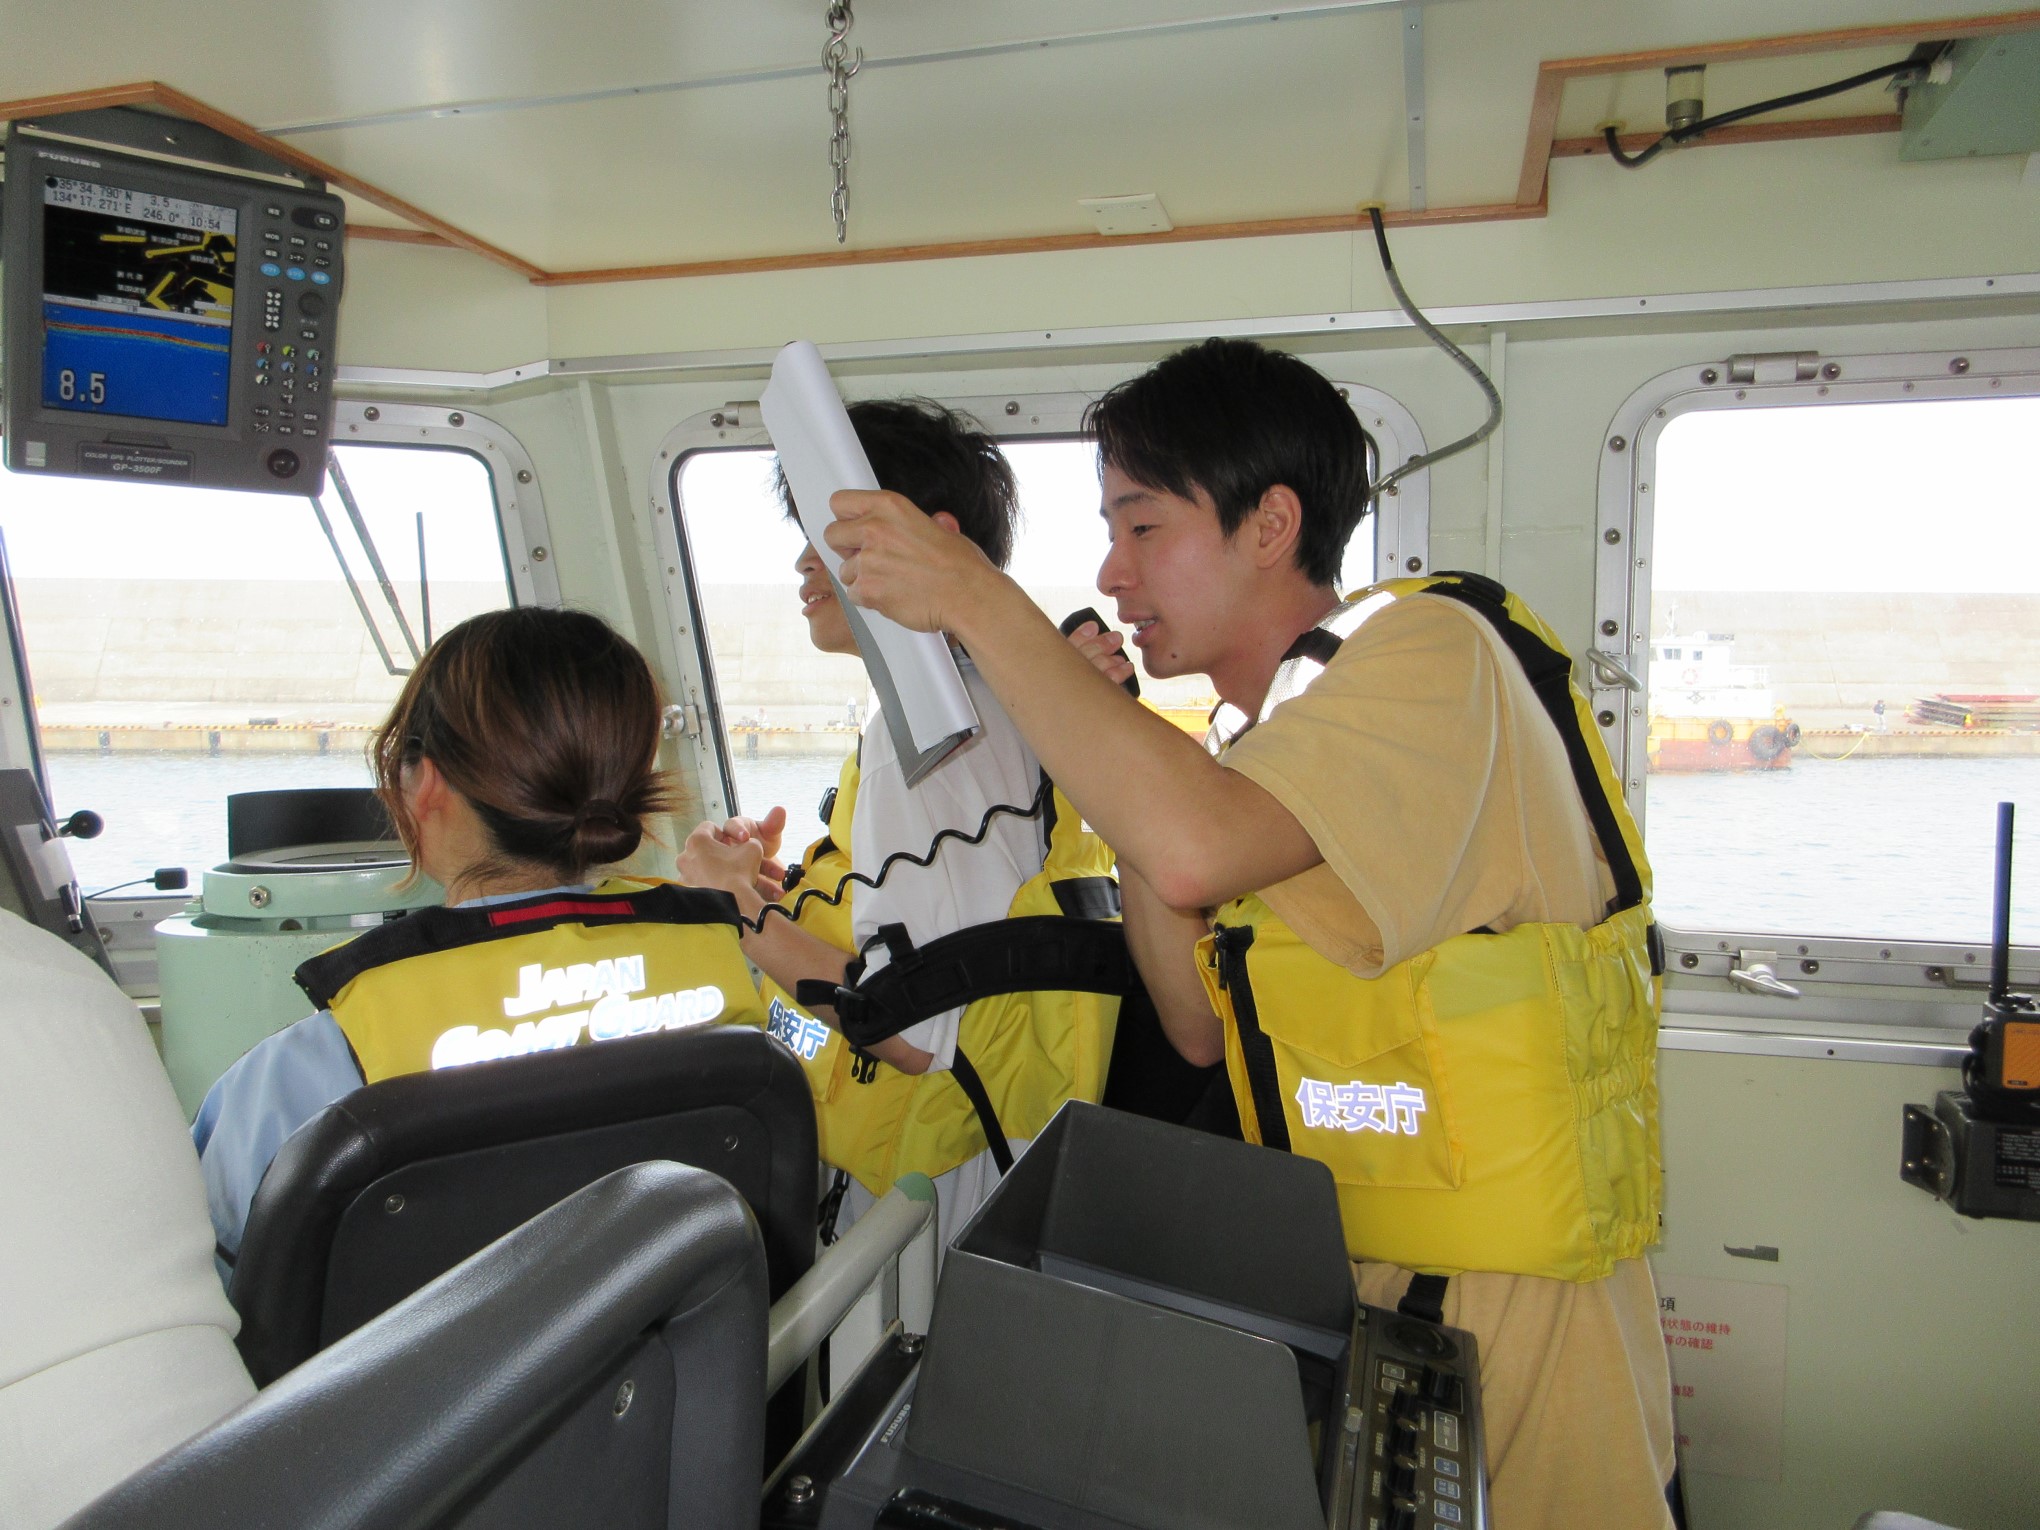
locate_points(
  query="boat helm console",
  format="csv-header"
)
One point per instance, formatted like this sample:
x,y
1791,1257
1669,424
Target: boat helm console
x,y
1149,1328
304,871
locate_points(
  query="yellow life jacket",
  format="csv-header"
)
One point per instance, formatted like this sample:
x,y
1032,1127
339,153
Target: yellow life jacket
x,y
445,986
1027,1041
1489,1104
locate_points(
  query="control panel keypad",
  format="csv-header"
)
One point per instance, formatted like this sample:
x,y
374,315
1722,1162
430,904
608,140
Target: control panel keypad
x,y
1409,1456
298,283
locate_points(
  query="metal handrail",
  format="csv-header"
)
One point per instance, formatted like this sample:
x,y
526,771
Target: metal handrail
x,y
810,1310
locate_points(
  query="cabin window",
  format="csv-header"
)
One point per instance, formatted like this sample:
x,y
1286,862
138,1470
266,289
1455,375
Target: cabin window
x,y
186,644
789,715
1845,553
1865,577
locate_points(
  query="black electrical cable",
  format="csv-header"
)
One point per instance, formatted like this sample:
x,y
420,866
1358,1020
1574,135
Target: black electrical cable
x,y
1775,104
137,882
1632,161
833,899
152,880
1042,797
1430,332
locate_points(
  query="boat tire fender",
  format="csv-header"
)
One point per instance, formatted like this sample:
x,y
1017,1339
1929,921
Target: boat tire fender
x,y
1720,731
1767,743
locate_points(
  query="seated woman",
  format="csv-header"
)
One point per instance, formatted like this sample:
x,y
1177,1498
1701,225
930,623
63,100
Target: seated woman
x,y
521,754
904,1104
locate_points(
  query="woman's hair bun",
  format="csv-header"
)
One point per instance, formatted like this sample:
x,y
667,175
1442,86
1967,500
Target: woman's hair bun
x,y
602,833
547,722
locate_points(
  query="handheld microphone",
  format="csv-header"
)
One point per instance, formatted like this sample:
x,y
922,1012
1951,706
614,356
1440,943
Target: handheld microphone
x,y
1076,619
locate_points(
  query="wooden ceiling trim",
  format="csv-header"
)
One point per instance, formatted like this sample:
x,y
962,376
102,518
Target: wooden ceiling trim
x,y
140,93
1739,132
1553,75
169,99
384,234
1335,223
198,111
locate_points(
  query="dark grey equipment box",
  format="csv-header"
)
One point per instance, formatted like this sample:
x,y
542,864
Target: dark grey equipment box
x,y
1149,1328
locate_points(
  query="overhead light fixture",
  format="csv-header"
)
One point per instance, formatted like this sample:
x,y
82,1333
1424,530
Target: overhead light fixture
x,y
1143,214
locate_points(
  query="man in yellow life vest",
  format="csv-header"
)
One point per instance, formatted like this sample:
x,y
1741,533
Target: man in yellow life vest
x,y
1400,896
980,868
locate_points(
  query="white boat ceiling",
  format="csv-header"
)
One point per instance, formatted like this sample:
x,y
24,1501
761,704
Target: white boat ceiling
x,y
613,133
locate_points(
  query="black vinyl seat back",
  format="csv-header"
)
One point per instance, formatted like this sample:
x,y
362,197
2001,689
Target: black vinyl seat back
x,y
391,1186
603,1364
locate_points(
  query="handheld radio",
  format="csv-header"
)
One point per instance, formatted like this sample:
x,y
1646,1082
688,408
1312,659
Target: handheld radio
x,y
1978,1147
2002,1071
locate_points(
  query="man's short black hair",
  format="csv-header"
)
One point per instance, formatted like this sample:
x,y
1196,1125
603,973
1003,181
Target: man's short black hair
x,y
1234,419
941,459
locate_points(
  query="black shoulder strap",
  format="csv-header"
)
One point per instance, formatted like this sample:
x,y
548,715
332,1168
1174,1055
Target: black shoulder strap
x,y
1315,643
1263,1080
1042,953
1550,672
980,1099
427,930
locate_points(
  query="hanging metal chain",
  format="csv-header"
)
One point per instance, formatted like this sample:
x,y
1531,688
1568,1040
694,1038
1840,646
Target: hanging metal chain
x,y
841,64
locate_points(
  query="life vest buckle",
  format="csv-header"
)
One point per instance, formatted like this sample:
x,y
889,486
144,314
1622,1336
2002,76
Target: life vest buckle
x,y
1231,942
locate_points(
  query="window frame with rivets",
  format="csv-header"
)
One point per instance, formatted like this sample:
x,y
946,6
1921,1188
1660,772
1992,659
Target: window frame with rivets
x,y
481,515
1763,533
1399,530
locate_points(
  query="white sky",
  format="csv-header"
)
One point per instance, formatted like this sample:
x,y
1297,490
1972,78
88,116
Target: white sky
x,y
81,528
1926,495
740,536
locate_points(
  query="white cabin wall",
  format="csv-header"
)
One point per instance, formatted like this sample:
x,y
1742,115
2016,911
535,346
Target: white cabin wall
x,y
409,305
1911,1344
1764,215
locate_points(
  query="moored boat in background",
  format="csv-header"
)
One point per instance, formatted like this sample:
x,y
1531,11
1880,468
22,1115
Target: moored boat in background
x,y
1708,713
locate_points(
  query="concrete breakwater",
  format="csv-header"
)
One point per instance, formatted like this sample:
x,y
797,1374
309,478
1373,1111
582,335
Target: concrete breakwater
x,y
205,739
1916,744
834,741
238,666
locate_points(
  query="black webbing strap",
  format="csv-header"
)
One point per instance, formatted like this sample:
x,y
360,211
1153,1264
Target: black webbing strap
x,y
831,1207
1550,673
1037,954
1086,897
1313,643
1263,1083
426,931
1425,1298
973,1087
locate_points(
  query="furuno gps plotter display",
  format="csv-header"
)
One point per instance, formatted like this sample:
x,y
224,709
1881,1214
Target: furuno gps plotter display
x,y
171,300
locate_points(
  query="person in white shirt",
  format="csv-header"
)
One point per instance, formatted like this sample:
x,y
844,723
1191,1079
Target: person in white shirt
x,y
116,1342
875,1121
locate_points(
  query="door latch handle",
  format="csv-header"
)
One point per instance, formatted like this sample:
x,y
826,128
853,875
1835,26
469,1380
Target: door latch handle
x,y
1610,670
1761,977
